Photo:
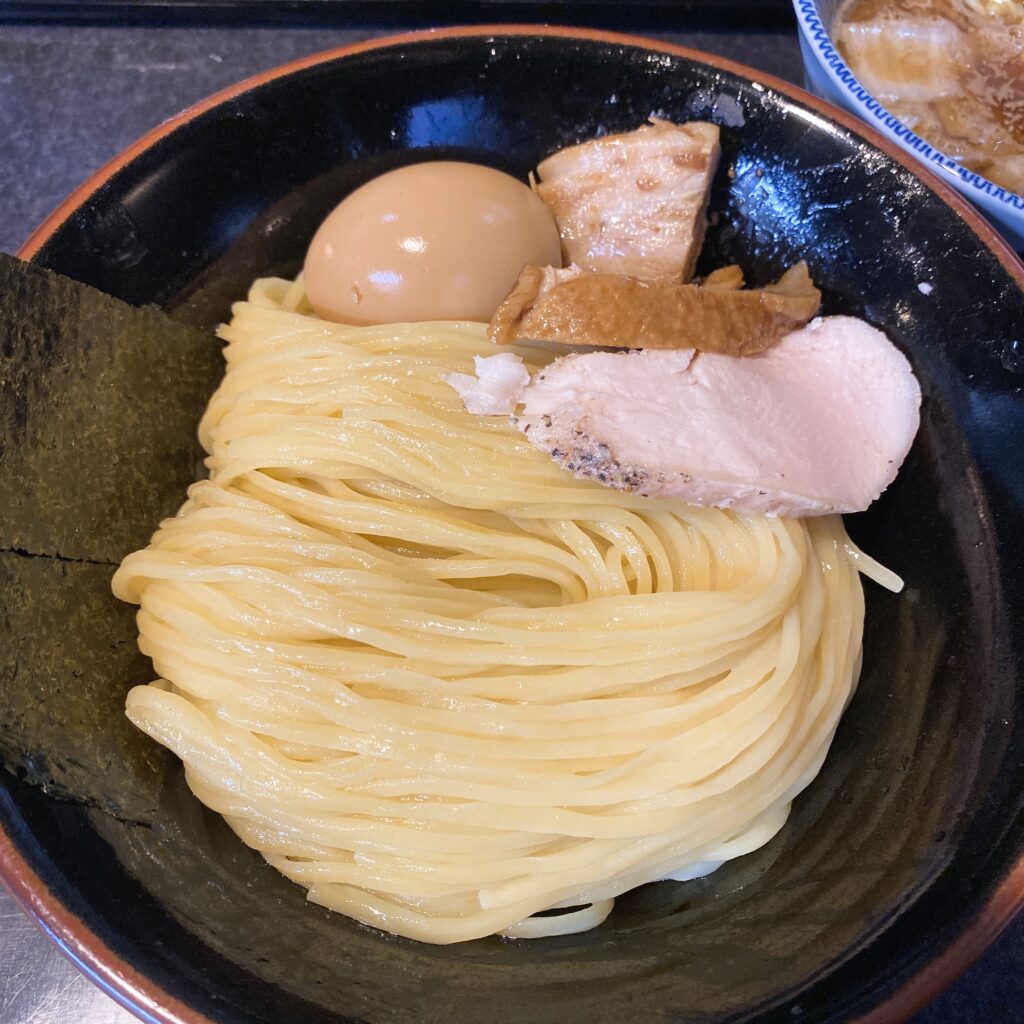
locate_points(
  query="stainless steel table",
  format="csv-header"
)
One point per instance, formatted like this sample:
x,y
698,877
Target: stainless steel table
x,y
70,98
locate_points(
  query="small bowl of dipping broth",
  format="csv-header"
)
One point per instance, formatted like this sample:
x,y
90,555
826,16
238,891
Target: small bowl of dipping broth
x,y
943,79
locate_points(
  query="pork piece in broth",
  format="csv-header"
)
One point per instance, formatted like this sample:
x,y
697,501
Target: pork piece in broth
x,y
951,70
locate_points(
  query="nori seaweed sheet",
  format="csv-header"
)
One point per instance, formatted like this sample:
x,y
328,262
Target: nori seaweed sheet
x,y
99,403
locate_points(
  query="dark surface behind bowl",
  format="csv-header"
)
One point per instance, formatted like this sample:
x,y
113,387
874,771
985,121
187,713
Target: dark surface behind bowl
x,y
916,815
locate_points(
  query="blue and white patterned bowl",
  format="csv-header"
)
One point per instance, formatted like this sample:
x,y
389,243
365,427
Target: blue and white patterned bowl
x,y
829,77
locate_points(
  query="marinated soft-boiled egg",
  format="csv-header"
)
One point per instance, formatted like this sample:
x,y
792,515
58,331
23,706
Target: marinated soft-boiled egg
x,y
435,241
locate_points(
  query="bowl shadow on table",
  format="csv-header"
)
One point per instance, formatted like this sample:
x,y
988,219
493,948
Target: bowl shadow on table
x,y
901,818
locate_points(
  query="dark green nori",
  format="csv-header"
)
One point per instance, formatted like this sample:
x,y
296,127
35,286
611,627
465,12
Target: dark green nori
x,y
98,407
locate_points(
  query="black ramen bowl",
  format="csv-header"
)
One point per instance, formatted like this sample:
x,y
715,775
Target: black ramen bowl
x,y
899,863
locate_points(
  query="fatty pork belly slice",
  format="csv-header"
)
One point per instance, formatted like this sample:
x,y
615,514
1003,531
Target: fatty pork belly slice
x,y
905,57
635,203
818,424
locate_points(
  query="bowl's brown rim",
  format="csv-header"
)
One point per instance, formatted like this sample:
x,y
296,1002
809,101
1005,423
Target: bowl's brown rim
x,y
143,996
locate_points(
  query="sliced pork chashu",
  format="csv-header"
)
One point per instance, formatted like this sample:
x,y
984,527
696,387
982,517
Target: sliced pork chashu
x,y
636,203
906,58
572,307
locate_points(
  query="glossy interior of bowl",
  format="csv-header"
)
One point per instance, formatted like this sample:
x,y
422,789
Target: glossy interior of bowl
x,y
916,815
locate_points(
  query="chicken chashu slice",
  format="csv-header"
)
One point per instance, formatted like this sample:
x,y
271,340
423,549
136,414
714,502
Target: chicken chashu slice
x,y
572,307
635,203
820,423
